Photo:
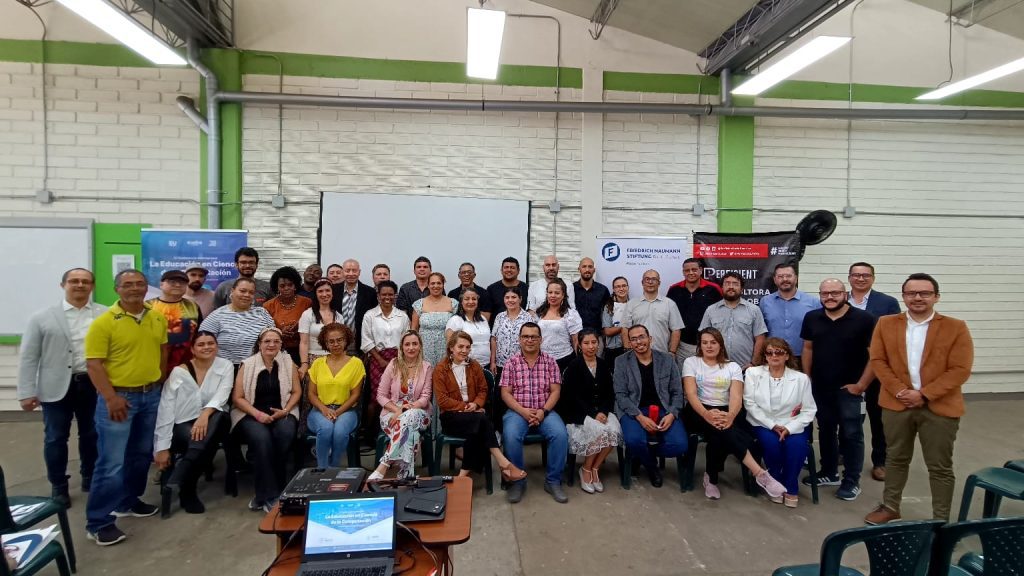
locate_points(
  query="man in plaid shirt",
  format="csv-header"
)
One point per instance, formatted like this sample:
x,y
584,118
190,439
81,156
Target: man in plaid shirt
x,y
530,385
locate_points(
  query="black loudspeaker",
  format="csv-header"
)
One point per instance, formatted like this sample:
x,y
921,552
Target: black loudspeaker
x,y
815,228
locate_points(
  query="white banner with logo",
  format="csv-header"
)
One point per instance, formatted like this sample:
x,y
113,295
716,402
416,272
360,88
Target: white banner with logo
x,y
630,256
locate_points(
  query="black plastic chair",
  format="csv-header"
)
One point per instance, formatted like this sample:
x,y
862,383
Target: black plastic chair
x,y
52,552
1002,544
997,483
896,549
689,462
50,507
440,440
1017,465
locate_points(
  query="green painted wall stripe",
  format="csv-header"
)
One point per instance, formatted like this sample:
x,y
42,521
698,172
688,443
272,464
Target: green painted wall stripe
x,y
736,171
10,340
81,53
665,83
321,66
226,64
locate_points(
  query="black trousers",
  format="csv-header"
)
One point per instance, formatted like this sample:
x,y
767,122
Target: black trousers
x,y
196,454
79,403
478,431
270,446
875,418
735,440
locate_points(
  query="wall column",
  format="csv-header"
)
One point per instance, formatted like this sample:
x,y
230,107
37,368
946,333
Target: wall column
x,y
736,171
592,165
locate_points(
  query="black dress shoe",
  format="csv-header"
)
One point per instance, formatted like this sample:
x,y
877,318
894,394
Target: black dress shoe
x,y
655,475
61,495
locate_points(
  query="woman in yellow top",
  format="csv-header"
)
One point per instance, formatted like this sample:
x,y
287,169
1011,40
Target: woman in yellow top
x,y
335,382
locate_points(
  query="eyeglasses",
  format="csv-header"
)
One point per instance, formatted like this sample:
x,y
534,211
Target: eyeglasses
x,y
638,338
918,293
862,276
832,293
776,353
650,279
465,272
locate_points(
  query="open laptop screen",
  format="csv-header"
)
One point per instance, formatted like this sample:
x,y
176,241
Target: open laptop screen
x,y
350,525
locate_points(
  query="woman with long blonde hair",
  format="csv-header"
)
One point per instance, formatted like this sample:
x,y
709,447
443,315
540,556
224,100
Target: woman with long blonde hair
x,y
404,397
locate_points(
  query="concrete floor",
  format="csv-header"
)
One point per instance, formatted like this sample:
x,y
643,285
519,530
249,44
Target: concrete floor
x,y
641,531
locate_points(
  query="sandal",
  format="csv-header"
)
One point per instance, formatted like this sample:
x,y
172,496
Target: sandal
x,y
512,474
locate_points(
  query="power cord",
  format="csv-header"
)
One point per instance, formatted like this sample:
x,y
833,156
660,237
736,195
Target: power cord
x,y
283,548
416,535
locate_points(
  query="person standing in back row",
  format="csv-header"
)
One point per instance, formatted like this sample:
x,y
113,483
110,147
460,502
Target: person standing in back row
x,y
538,293
416,288
509,279
739,321
692,296
784,309
52,374
247,261
591,295
658,314
862,296
923,359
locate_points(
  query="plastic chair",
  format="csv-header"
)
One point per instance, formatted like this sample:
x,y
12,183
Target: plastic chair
x,y
50,507
997,483
1002,544
50,553
626,468
1017,465
897,549
689,463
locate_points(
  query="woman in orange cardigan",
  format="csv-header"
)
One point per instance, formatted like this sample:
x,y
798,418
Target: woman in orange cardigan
x,y
461,391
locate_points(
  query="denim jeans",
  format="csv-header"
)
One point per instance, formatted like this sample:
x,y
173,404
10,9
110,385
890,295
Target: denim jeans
x,y
553,430
671,443
79,403
125,453
332,437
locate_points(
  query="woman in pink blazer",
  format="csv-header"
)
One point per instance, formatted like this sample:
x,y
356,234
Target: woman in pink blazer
x,y
404,396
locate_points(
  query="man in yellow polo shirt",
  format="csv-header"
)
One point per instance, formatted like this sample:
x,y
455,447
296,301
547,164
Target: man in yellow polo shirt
x,y
125,351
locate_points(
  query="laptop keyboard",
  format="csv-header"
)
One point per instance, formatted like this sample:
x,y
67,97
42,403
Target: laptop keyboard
x,y
364,571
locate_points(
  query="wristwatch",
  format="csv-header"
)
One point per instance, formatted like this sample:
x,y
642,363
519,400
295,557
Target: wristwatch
x,y
546,411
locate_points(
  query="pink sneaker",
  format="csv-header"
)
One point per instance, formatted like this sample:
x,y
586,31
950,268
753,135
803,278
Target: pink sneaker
x,y
770,485
711,490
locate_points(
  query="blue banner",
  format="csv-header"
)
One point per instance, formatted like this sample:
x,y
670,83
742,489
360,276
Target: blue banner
x,y
164,250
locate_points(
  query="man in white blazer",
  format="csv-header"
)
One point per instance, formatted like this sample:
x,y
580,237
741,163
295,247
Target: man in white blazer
x,y
52,374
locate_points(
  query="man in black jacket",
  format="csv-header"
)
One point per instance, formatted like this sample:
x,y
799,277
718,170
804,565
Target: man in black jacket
x,y
353,299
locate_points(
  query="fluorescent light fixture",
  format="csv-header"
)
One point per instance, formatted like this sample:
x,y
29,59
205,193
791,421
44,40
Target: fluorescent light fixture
x,y
125,29
803,57
976,80
484,31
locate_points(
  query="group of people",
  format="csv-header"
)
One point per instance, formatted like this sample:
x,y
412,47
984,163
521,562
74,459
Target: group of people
x,y
587,368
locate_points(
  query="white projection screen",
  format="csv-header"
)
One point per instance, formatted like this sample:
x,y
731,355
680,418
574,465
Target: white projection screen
x,y
395,229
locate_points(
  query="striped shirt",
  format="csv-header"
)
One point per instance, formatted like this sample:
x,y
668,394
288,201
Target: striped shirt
x,y
237,331
531,387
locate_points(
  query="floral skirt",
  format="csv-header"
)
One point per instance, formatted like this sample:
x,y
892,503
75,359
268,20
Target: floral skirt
x,y
403,434
591,437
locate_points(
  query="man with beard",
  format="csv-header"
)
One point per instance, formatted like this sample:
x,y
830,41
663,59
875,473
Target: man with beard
x,y
310,276
861,295
416,288
692,296
590,295
836,341
784,310
183,318
247,261
196,292
538,293
509,279
467,280
739,321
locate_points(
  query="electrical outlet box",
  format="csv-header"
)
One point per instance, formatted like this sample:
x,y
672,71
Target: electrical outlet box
x,y
44,197
277,201
698,209
849,212
555,206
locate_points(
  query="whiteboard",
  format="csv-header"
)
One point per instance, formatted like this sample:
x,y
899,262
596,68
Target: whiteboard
x,y
395,229
36,253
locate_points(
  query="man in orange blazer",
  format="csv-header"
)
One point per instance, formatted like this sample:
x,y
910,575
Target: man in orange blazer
x,y
922,359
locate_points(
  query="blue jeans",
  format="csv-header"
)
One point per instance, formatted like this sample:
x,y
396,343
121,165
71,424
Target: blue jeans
x,y
125,453
332,437
671,443
784,460
552,428
80,404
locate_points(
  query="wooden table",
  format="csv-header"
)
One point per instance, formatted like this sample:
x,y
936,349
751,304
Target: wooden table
x,y
435,535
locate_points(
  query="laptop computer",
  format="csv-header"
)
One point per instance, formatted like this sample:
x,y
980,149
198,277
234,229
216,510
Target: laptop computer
x,y
348,535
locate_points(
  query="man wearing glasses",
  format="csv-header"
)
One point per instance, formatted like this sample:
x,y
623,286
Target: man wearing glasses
x,y
658,314
784,309
836,340
861,295
922,359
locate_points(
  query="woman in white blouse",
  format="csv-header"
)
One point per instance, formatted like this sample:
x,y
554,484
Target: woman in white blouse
x,y
780,407
312,321
383,327
192,416
468,319
559,325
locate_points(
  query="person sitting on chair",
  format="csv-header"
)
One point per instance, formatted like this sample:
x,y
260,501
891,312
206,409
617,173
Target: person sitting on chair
x,y
404,396
714,403
460,390
647,381
780,407
191,415
335,384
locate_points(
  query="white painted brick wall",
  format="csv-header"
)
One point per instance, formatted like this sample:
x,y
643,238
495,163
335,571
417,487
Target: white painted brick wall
x,y
495,155
963,171
119,151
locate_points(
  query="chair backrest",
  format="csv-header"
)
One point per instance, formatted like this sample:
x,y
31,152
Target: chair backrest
x,y
6,520
898,549
1002,544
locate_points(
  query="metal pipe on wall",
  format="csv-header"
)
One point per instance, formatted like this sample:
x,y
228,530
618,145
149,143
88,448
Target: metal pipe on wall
x,y
188,106
213,200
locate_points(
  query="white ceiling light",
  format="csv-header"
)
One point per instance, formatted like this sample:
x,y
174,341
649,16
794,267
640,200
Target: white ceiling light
x,y
484,31
125,29
803,57
976,80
